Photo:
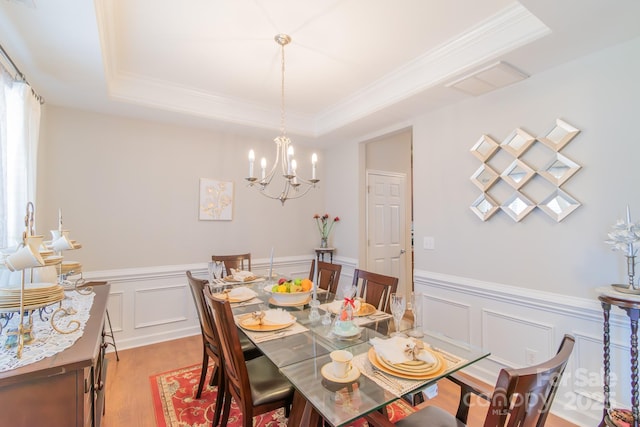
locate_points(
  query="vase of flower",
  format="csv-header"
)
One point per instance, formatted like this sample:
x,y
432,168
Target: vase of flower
x,y
325,225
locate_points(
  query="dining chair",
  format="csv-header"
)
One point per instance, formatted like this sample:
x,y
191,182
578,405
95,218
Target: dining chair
x,y
256,385
376,289
521,397
328,275
237,262
211,343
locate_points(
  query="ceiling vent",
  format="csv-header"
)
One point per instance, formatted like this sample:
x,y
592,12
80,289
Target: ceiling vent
x,y
487,79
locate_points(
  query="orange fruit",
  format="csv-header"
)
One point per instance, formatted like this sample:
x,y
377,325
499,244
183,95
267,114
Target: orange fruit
x,y
306,284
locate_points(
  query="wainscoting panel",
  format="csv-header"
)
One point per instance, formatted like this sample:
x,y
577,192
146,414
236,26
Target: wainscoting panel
x,y
437,313
522,341
160,306
116,311
520,326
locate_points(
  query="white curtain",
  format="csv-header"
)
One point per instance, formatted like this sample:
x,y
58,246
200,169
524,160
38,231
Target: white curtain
x,y
19,133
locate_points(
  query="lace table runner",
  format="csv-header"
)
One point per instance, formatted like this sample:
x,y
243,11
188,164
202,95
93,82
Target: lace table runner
x,y
47,341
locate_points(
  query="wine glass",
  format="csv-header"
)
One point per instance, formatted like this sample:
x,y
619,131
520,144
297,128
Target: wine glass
x,y
218,266
398,306
211,270
416,308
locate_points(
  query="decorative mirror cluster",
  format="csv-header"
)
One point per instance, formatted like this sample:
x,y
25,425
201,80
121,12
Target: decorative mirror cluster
x,y
559,168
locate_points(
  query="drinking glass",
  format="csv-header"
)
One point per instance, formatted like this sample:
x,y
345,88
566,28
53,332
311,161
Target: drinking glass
x,y
398,307
211,270
416,308
217,270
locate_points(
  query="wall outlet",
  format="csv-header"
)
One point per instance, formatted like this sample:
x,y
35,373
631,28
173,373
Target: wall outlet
x,y
530,356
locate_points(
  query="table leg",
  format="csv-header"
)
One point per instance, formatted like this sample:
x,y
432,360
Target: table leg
x,y
633,314
606,309
302,413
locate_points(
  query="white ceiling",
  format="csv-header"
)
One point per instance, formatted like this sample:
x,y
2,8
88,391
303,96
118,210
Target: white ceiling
x,y
355,68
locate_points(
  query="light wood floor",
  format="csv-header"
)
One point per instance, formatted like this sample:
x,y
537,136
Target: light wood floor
x,y
128,391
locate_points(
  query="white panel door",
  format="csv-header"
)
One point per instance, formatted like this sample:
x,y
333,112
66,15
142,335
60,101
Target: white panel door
x,y
386,226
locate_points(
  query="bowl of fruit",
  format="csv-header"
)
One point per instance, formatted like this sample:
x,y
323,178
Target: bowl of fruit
x,y
290,292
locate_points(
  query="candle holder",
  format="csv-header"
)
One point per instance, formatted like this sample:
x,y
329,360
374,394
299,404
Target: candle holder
x,y
623,238
631,268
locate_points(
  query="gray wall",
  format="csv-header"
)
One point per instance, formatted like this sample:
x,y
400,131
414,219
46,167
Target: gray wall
x,y
129,192
598,94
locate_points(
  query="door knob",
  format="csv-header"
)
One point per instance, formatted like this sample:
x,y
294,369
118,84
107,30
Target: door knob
x,y
402,251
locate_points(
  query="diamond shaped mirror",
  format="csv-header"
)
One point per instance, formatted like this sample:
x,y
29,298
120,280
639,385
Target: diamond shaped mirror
x,y
518,206
559,135
484,177
558,205
559,169
517,142
484,206
484,148
517,174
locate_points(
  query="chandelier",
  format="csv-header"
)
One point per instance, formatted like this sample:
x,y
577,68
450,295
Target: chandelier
x,y
293,186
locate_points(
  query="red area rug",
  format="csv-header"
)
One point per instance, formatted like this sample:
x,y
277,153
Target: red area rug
x,y
175,404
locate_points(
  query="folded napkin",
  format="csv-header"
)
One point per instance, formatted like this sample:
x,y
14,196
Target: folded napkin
x,y
241,276
399,350
241,292
275,316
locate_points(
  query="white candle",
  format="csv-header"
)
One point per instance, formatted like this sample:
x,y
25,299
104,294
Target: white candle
x,y
60,220
263,165
252,157
289,156
271,264
294,168
314,160
629,245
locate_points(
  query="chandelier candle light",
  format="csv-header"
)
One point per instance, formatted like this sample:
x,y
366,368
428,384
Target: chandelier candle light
x,y
623,238
284,156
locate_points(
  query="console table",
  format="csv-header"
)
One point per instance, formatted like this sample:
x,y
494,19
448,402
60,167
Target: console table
x,y
631,305
66,389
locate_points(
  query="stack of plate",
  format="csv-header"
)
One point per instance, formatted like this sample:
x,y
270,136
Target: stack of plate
x,y
36,295
52,260
69,266
413,369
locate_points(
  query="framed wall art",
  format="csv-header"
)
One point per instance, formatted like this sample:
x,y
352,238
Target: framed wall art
x,y
216,200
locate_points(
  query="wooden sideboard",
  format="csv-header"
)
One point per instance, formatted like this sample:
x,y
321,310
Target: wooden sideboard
x,y
64,390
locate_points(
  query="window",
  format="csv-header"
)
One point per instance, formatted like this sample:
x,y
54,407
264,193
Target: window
x,y
19,131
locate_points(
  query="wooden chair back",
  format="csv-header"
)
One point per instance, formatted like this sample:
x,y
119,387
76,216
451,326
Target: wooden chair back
x,y
328,275
209,334
233,359
376,289
523,397
237,262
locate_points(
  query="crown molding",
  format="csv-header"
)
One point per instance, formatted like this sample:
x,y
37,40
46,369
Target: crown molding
x,y
513,27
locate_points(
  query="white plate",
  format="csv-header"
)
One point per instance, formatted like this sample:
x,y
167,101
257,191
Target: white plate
x,y
353,333
352,375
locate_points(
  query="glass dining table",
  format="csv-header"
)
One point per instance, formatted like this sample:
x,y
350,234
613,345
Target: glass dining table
x,y
302,353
